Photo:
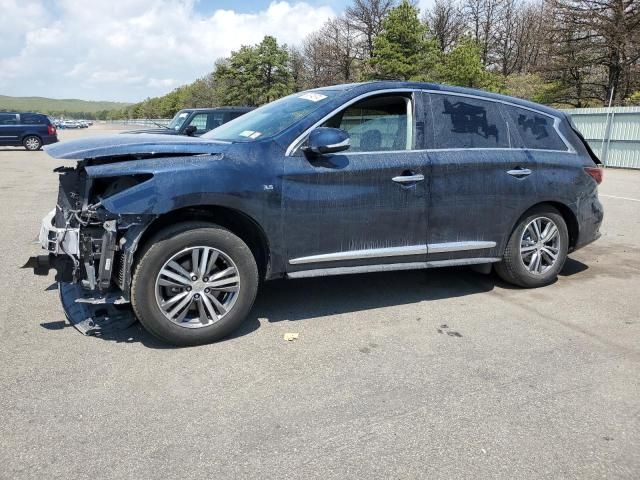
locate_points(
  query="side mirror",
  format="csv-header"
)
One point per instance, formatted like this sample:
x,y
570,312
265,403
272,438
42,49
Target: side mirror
x,y
326,140
190,130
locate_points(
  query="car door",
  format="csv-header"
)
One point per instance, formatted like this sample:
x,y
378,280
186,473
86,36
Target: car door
x,y
9,129
480,180
365,206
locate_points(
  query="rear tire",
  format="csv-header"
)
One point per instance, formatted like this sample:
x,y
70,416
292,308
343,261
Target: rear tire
x,y
204,265
32,143
536,250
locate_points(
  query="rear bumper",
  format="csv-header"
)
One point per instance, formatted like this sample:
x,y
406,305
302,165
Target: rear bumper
x,y
49,139
590,216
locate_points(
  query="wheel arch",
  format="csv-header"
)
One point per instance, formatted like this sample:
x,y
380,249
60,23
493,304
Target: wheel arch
x,y
234,220
31,134
568,215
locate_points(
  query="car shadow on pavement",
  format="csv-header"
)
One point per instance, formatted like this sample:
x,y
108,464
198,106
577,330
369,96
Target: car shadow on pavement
x,y
306,299
310,298
318,297
573,267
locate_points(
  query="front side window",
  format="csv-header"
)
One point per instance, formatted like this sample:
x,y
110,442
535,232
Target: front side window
x,y
199,121
465,122
8,119
206,121
535,130
272,118
382,123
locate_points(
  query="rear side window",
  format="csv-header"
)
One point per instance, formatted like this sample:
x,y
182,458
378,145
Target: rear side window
x,y
463,122
214,120
535,130
8,119
31,119
232,115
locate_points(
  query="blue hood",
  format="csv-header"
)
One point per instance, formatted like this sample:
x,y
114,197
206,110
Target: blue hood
x,y
132,144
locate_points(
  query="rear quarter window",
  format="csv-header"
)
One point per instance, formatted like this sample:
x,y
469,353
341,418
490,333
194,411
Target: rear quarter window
x,y
464,122
533,130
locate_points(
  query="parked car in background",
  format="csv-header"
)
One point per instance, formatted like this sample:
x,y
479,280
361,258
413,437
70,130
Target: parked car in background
x,y
31,130
197,121
66,124
355,178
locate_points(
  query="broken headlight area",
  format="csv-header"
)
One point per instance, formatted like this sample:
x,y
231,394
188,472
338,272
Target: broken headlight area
x,y
91,250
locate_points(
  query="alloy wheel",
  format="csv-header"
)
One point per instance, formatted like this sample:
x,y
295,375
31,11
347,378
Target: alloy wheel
x,y
197,287
32,143
540,245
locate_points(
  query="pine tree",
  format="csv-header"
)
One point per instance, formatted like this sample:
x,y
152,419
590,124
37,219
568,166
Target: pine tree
x,y
402,50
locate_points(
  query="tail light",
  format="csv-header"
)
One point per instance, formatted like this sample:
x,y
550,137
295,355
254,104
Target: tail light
x,y
51,129
595,173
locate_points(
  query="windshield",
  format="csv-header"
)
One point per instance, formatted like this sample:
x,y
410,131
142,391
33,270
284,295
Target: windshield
x,y
271,118
177,121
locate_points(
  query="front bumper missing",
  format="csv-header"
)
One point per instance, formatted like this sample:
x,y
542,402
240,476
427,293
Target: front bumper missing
x,y
92,311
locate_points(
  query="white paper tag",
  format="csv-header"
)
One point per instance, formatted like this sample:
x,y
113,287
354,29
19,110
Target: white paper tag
x,y
314,97
247,133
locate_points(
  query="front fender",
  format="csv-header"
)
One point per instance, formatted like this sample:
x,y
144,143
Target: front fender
x,y
183,182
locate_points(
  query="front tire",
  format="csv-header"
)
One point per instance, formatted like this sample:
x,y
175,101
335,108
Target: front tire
x,y
32,143
536,250
195,284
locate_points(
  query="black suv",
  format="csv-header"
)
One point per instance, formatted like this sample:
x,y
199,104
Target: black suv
x,y
349,179
197,121
31,130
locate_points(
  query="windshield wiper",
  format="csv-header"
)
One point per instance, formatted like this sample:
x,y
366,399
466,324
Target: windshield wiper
x,y
160,125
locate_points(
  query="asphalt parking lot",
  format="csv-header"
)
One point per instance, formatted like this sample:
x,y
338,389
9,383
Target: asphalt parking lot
x,y
435,374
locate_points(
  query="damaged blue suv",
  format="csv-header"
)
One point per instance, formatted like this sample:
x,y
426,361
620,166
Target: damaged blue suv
x,y
179,232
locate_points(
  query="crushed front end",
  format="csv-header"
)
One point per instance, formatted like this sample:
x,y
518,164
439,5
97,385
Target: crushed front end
x,y
91,250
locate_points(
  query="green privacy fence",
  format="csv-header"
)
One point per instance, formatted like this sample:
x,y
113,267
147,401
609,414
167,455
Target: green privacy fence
x,y
613,133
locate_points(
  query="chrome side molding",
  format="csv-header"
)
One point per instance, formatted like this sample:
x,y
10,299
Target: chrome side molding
x,y
458,246
394,252
323,272
362,254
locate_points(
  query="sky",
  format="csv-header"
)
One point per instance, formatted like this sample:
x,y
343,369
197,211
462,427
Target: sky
x,y
127,50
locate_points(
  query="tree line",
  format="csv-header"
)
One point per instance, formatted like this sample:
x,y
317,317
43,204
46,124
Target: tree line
x,y
566,53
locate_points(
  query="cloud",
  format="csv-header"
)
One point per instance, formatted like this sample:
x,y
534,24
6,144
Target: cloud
x,y
130,50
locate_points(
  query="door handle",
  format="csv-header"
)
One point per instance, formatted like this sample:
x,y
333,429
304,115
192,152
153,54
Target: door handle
x,y
519,172
408,178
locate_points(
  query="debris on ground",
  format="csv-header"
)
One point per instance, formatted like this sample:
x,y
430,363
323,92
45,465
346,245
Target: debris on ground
x,y
290,337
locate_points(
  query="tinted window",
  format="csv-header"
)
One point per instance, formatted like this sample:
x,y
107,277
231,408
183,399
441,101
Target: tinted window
x,y
214,120
535,130
31,119
232,115
376,124
463,122
8,119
